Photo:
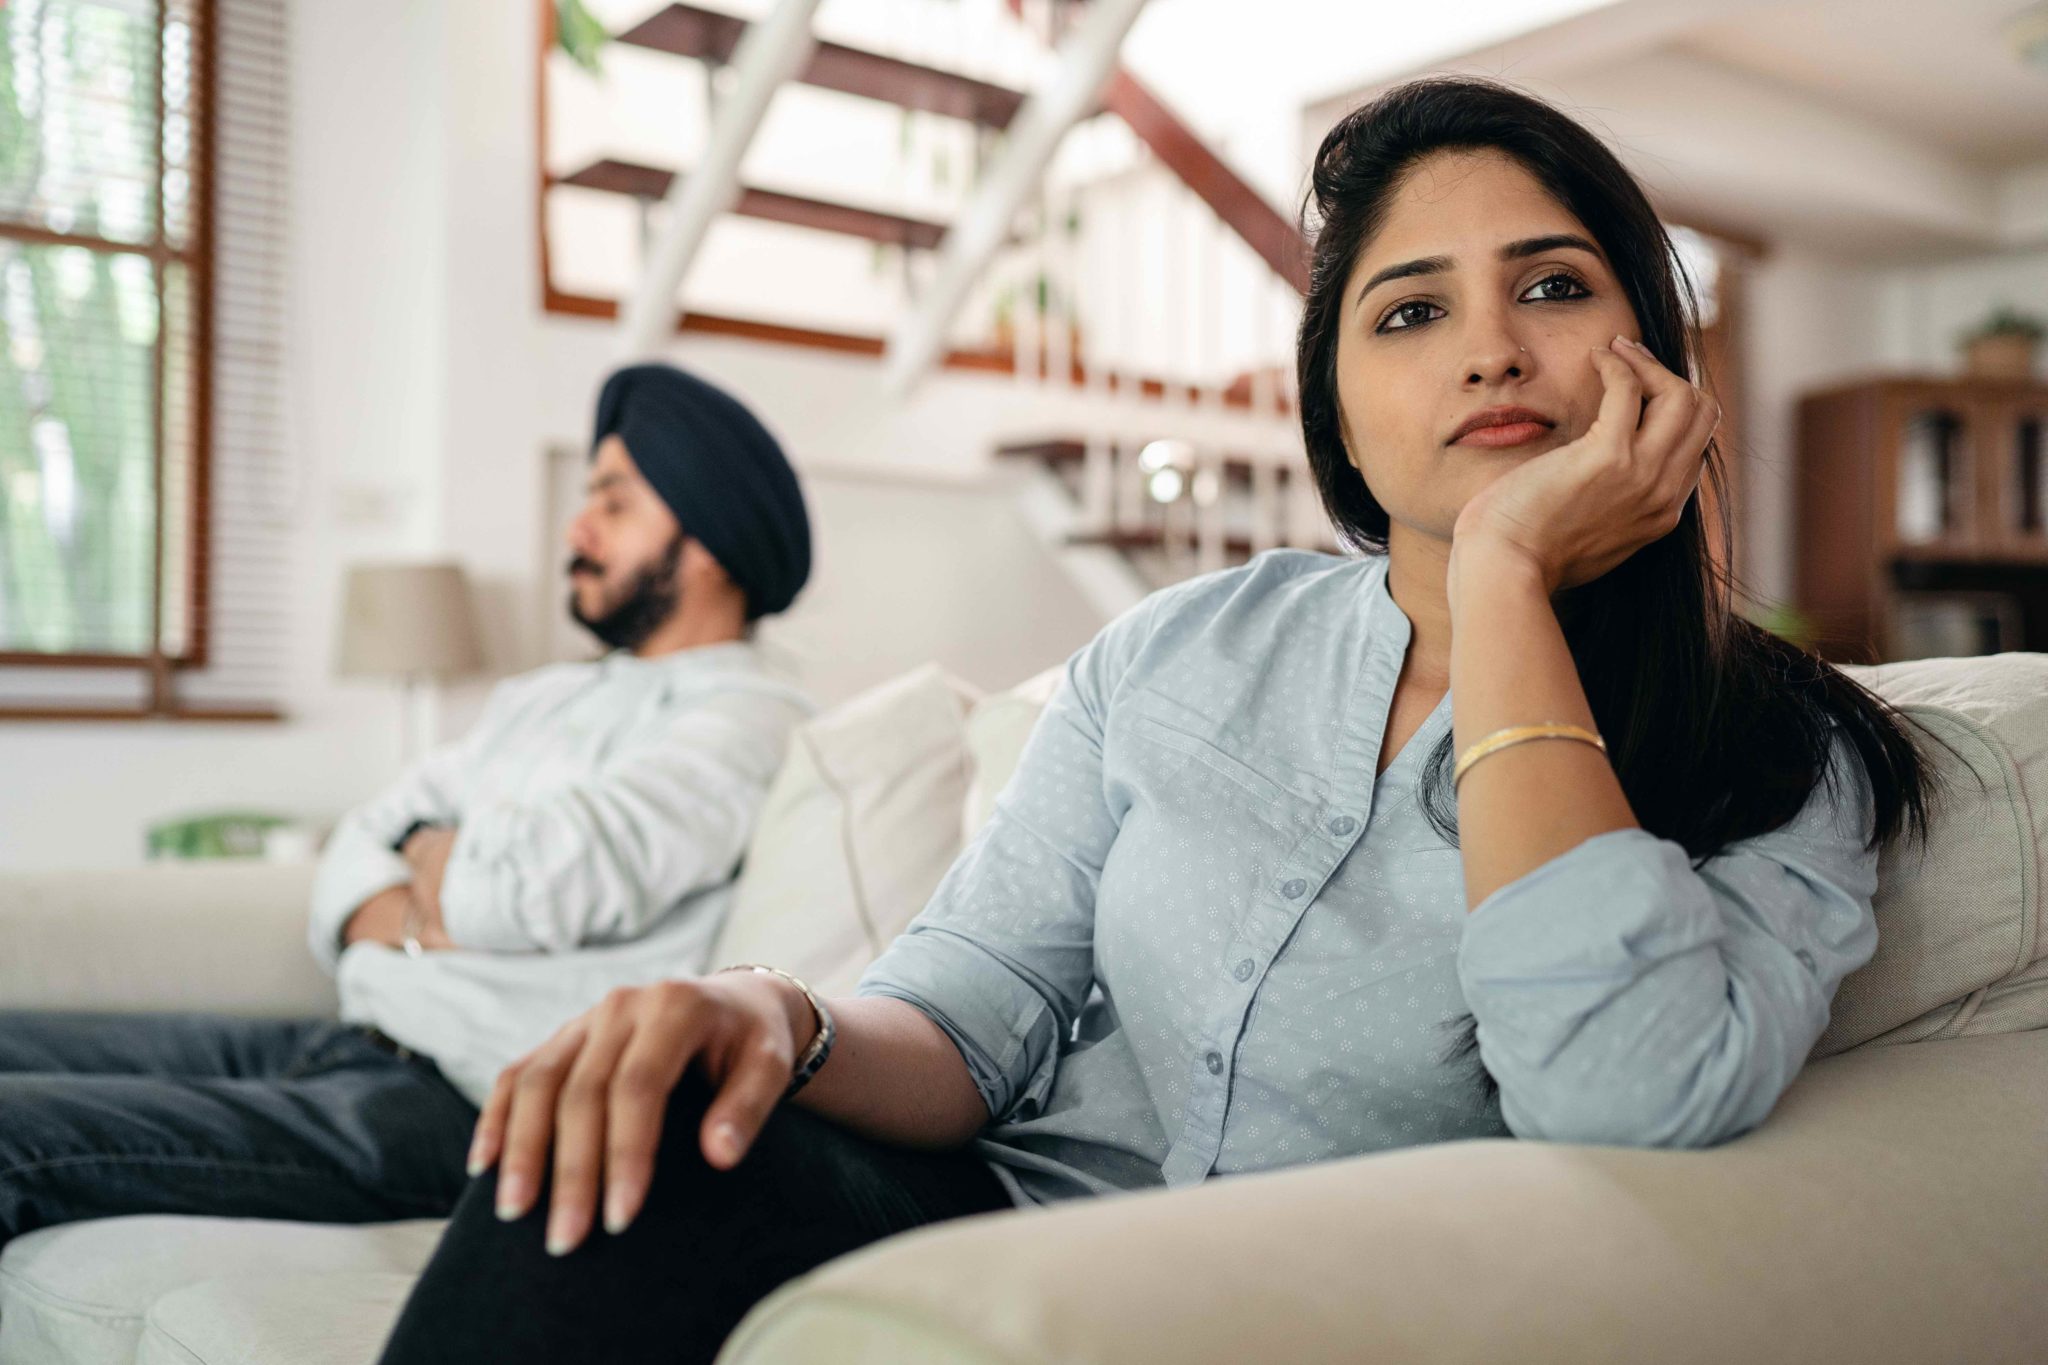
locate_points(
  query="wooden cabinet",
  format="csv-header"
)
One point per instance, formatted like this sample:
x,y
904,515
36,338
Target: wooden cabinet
x,y
1921,517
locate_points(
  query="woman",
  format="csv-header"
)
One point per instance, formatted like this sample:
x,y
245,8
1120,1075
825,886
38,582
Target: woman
x,y
1239,907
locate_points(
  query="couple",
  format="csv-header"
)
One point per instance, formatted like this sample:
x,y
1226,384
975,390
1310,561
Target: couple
x,y
1282,875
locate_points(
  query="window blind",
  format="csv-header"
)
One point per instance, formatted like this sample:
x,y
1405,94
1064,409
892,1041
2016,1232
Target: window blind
x,y
145,495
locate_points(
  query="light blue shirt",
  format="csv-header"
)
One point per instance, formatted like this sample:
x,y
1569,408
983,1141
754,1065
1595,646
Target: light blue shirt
x,y
1201,935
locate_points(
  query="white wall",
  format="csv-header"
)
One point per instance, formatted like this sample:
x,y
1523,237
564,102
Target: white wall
x,y
1928,307
1810,320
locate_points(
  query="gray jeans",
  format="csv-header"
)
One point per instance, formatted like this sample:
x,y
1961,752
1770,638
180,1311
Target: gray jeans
x,y
109,1114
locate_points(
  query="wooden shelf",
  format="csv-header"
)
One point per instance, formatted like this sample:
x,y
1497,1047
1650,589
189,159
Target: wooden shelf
x,y
687,31
1993,556
1916,452
652,182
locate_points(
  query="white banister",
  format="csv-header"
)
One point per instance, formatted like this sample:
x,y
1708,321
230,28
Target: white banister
x,y
1067,95
769,53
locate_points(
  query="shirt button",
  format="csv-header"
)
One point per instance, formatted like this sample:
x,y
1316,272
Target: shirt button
x,y
1214,1061
1243,970
1342,826
1293,887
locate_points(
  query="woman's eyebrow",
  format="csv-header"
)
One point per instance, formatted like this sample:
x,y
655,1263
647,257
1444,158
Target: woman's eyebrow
x,y
1513,251
1536,246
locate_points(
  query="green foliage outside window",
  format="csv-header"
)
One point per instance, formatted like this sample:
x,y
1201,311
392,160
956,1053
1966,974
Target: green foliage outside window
x,y
83,161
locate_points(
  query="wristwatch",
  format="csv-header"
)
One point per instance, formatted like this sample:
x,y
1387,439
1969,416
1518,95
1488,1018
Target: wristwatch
x,y
398,844
813,1057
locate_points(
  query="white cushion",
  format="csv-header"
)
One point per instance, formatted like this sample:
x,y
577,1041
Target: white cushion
x,y
996,731
333,1319
858,828
1960,942
79,1293
149,938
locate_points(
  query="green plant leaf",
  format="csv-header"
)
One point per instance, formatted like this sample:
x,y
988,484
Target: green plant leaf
x,y
578,33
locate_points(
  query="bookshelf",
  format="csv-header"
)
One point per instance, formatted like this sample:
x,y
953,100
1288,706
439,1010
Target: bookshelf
x,y
1921,515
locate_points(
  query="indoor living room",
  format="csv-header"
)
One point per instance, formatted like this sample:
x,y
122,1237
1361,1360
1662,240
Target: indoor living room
x,y
305,312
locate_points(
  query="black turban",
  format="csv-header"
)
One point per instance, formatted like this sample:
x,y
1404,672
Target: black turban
x,y
719,471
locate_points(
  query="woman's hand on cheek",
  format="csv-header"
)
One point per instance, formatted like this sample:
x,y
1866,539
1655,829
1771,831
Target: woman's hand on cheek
x,y
1577,511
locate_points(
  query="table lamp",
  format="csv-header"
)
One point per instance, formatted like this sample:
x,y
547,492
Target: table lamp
x,y
413,622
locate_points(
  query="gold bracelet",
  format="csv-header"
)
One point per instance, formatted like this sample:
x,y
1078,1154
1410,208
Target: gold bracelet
x,y
1517,734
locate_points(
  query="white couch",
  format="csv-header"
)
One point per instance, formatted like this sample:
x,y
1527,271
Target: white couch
x,y
1891,1210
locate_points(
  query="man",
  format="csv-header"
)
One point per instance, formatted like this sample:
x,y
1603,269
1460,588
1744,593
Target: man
x,y
583,835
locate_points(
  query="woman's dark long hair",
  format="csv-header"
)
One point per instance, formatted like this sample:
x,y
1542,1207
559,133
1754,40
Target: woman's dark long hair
x,y
1718,730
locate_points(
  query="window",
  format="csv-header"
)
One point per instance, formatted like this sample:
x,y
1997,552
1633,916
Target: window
x,y
108,378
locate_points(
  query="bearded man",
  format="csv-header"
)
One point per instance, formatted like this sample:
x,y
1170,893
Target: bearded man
x,y
584,834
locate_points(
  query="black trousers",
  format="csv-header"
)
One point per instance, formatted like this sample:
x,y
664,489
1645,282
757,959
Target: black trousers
x,y
109,1114
708,1245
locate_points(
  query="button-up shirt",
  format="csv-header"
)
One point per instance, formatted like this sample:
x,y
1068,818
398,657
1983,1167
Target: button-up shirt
x,y
1202,934
600,812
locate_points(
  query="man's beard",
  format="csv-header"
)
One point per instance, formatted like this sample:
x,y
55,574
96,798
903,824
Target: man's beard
x,y
654,597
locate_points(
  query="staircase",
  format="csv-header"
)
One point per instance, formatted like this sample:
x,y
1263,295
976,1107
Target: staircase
x,y
1148,296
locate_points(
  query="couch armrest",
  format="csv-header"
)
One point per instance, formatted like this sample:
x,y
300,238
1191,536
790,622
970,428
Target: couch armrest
x,y
1890,1211
226,937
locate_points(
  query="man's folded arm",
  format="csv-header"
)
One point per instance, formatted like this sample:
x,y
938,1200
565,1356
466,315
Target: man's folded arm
x,y
603,859
359,860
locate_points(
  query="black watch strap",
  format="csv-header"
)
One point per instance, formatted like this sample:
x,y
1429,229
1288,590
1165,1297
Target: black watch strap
x,y
398,844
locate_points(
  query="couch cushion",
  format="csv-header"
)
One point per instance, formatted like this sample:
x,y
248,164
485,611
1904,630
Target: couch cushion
x,y
858,828
996,731
332,1319
79,1293
1960,947
149,938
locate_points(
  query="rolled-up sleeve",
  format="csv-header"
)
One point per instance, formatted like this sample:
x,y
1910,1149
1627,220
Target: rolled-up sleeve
x,y
1624,997
601,859
1002,958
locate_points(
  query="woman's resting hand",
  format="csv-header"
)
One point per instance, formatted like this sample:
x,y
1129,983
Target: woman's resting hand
x,y
597,1091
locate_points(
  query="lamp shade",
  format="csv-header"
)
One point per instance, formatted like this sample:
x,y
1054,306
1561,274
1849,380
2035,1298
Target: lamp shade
x,y
408,621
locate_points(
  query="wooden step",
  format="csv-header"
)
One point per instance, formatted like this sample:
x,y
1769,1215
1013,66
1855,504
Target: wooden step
x,y
652,182
688,31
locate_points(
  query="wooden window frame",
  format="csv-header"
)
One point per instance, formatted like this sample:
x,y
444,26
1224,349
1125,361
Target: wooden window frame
x,y
196,257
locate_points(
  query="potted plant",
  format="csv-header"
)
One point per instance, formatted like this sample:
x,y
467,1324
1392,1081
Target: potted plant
x,y
2003,347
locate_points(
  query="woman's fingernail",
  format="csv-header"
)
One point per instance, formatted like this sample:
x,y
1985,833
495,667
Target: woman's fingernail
x,y
559,1243
615,1216
511,1199
475,1164
727,1139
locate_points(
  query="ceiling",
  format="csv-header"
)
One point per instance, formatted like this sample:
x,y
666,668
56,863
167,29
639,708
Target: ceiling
x,y
1939,71
1887,129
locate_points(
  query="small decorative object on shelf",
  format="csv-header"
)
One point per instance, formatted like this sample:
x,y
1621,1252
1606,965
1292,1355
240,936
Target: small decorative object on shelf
x,y
2003,346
